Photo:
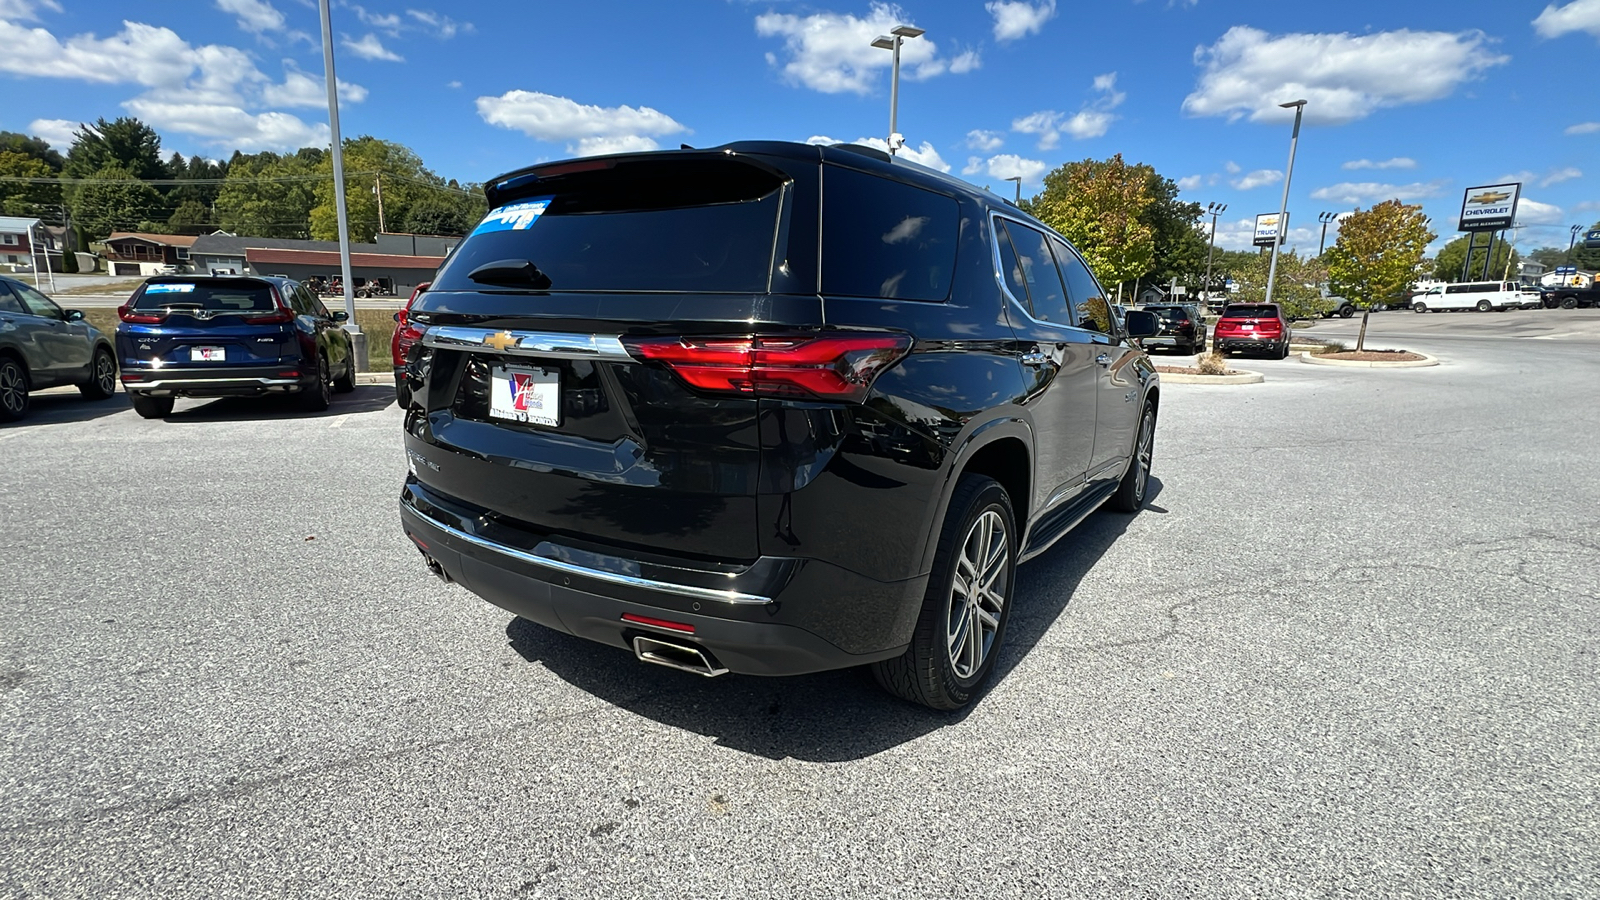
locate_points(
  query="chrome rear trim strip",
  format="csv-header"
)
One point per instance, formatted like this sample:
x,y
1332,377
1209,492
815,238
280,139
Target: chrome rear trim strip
x,y
547,344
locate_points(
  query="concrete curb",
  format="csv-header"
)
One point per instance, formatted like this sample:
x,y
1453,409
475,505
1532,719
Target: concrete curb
x,y
1358,364
1184,378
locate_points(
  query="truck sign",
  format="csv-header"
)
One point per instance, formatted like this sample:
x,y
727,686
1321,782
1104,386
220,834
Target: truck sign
x,y
1489,208
1267,229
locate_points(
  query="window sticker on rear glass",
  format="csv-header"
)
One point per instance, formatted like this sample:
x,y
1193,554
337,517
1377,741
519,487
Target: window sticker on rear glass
x,y
168,288
518,216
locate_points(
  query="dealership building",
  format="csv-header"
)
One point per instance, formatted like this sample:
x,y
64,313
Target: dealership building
x,y
397,263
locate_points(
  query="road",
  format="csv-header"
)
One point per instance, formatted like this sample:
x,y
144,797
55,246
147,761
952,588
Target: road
x,y
1348,649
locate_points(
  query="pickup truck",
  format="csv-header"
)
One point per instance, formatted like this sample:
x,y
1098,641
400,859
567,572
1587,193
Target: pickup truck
x,y
1571,297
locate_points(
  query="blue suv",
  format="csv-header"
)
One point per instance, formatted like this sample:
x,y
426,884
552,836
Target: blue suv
x,y
205,336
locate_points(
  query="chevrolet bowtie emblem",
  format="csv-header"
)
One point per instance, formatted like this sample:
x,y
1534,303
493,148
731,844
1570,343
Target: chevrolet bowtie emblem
x,y
501,340
1488,197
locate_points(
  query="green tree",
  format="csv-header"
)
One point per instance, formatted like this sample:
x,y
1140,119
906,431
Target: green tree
x,y
1377,255
1098,204
404,181
267,195
1180,244
114,201
191,217
1298,286
23,199
127,143
1584,258
35,147
1447,265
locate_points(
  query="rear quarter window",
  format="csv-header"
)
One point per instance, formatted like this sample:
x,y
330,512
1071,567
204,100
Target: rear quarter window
x,y
883,238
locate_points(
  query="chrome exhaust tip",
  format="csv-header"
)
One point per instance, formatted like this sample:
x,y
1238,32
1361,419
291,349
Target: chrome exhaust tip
x,y
437,569
684,657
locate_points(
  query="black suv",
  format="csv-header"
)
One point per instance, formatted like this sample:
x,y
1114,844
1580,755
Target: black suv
x,y
1181,327
768,408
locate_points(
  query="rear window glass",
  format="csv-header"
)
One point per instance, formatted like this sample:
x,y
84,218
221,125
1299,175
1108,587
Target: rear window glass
x,y
665,225
223,297
1251,312
882,238
1169,313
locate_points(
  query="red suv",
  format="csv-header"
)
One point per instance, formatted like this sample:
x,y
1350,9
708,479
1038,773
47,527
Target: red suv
x,y
1256,327
405,334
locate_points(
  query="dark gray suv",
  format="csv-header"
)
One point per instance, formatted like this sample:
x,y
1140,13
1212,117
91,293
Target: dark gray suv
x,y
43,345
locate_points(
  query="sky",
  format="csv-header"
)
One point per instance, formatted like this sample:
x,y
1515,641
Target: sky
x,y
1417,100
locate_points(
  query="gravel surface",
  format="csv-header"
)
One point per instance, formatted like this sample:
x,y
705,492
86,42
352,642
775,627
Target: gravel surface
x,y
1348,649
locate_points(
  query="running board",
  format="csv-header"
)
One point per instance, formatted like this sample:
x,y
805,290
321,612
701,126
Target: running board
x,y
1055,525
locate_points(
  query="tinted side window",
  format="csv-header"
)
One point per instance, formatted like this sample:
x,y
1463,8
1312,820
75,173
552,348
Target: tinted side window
x,y
296,301
1010,268
881,238
1088,301
37,303
8,301
1048,297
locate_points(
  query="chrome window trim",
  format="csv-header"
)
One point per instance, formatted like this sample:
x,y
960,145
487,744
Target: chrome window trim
x,y
566,568
1000,279
546,344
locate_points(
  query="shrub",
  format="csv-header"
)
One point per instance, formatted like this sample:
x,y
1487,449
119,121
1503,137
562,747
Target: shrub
x,y
1211,364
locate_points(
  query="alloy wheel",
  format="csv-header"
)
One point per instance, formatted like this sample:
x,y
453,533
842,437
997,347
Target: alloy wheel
x,y
1143,456
13,388
105,374
977,596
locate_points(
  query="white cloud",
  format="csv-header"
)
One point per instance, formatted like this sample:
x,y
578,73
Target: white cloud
x,y
587,130
1560,175
1090,122
1532,212
440,26
1190,182
923,154
1579,15
1010,165
1259,178
302,89
57,132
974,165
24,10
1583,128
986,141
1399,162
452,84
386,22
1232,167
1370,191
369,47
833,52
231,126
1015,19
256,16
1343,77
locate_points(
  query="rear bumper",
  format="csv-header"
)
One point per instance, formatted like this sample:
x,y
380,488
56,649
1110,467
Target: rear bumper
x,y
1227,344
215,381
1170,340
754,618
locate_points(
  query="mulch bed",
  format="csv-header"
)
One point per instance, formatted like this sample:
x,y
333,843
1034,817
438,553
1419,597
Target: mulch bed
x,y
1191,370
1374,356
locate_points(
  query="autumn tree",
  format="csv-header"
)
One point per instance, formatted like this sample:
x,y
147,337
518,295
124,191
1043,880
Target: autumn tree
x,y
1297,288
1447,265
1097,205
1377,254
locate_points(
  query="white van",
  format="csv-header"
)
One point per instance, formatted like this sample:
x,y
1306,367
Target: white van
x,y
1479,295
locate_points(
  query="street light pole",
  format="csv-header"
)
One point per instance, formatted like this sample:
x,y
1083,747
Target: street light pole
x,y
899,33
358,339
1018,180
1326,219
1573,240
1299,107
1215,210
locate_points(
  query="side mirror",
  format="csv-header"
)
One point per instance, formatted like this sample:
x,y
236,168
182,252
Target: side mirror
x,y
1141,323
341,316
74,315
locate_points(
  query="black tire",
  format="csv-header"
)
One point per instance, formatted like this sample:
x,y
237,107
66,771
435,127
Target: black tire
x,y
1347,311
152,407
319,396
102,381
1484,306
1283,352
928,672
13,390
1569,302
1419,307
402,395
346,382
1129,497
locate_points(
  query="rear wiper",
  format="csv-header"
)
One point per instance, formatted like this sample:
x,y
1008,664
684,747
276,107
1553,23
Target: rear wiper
x,y
511,272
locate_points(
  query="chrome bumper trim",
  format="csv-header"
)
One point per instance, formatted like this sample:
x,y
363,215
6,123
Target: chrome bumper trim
x,y
181,382
566,568
547,344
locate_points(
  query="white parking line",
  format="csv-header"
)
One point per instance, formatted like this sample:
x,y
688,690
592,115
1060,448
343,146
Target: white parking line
x,y
338,421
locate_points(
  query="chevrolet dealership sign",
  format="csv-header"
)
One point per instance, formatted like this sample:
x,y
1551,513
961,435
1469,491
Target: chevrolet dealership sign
x,y
1267,229
1489,208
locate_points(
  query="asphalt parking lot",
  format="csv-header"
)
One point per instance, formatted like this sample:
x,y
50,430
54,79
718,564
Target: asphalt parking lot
x,y
1350,648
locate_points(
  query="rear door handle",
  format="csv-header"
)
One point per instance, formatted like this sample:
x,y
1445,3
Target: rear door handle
x,y
1035,357
1103,360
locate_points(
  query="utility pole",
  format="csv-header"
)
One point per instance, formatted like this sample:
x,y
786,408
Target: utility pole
x,y
358,339
1299,107
377,188
1215,210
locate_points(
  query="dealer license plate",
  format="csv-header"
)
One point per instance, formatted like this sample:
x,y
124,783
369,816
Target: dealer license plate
x,y
532,396
208,354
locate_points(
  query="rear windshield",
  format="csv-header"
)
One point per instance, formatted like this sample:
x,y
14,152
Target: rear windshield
x,y
1251,312
1169,313
703,226
248,296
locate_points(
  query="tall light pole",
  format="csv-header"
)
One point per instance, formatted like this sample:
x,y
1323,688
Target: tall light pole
x,y
1018,180
898,34
1214,210
358,339
1573,240
1299,107
1326,219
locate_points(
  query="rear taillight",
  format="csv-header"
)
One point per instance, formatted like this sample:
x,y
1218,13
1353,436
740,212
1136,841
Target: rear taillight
x,y
281,317
839,366
140,318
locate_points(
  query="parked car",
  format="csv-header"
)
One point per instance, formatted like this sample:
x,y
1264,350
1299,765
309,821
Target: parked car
x,y
767,408
1482,296
405,335
1182,327
43,345
1253,327
206,336
1342,307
